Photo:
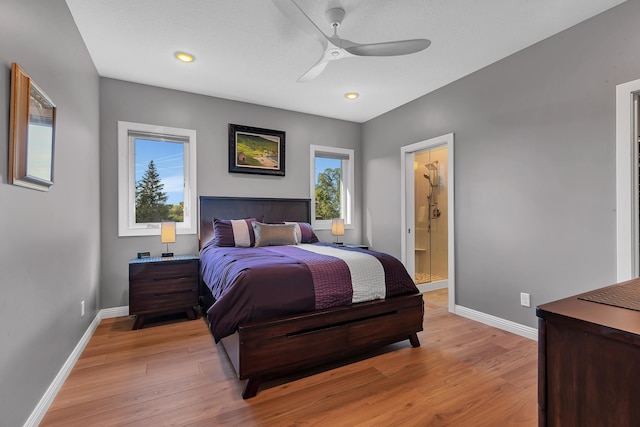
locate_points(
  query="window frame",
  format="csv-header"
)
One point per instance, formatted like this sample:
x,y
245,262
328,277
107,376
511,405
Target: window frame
x,y
127,225
347,189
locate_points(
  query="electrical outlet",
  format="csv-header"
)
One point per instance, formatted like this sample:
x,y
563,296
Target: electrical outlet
x,y
525,299
82,308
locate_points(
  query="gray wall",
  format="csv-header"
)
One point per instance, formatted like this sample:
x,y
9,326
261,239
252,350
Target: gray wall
x,y
210,118
534,166
50,246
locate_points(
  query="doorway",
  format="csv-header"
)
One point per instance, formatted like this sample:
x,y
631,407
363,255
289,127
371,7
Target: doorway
x,y
430,217
427,214
627,180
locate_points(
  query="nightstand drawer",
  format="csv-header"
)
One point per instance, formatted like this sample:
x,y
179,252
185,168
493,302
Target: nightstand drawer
x,y
162,295
163,270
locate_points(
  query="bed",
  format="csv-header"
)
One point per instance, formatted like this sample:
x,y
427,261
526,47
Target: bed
x,y
288,340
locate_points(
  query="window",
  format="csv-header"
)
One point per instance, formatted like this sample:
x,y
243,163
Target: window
x,y
331,186
156,179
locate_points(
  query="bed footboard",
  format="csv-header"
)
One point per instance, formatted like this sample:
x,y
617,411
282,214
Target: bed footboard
x,y
278,347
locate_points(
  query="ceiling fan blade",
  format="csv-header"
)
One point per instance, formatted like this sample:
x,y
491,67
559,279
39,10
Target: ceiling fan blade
x,y
314,71
291,10
402,47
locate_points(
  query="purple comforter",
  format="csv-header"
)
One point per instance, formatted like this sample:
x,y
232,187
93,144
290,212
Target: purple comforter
x,y
251,284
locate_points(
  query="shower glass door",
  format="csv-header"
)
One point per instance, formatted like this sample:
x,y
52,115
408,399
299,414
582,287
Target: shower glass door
x,y
431,228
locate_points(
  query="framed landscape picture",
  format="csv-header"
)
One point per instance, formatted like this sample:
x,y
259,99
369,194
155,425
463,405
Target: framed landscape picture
x,y
256,150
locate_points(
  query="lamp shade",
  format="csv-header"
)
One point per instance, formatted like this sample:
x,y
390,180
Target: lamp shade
x,y
168,232
337,227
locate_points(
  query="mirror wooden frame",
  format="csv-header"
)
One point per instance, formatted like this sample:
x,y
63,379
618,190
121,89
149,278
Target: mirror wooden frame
x,y
31,134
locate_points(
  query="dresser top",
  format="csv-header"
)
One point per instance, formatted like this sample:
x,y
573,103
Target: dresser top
x,y
579,307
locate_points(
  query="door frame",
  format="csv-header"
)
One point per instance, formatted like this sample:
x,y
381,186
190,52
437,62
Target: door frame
x,y
627,236
408,202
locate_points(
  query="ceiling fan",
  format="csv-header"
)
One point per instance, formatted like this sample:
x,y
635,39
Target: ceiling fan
x,y
337,48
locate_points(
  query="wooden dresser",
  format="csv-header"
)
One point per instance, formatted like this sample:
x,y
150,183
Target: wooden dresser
x,y
589,360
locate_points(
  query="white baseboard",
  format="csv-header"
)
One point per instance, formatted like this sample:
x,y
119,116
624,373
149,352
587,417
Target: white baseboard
x,y
426,287
108,313
497,322
41,408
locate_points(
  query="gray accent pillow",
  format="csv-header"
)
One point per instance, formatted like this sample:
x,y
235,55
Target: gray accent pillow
x,y
274,234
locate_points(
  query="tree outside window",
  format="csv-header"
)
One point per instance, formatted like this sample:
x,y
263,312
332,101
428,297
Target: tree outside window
x,y
328,193
159,193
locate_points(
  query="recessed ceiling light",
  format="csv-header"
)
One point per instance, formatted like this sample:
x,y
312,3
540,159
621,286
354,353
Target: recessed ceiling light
x,y
351,95
184,57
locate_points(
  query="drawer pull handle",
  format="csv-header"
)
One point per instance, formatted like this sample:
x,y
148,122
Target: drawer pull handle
x,y
186,291
175,279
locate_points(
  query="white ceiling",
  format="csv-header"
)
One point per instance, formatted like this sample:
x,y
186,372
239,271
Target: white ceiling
x,y
246,50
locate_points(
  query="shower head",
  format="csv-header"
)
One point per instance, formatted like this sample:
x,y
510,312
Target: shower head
x,y
426,175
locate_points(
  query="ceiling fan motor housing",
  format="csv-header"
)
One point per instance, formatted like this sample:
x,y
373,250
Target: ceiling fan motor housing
x,y
335,16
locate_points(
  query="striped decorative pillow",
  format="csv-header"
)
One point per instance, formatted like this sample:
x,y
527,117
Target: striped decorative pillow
x,y
234,232
304,232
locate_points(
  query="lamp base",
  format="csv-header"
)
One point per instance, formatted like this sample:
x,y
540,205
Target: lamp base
x,y
167,254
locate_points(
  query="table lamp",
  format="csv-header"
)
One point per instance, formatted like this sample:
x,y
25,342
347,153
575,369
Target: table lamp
x,y
337,228
168,235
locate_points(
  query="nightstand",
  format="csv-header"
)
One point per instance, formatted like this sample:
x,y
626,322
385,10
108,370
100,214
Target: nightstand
x,y
353,245
163,285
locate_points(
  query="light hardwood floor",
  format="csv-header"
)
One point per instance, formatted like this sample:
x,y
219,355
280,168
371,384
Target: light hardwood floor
x,y
464,374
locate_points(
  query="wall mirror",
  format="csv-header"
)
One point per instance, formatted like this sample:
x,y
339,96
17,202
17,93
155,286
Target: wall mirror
x,y
32,133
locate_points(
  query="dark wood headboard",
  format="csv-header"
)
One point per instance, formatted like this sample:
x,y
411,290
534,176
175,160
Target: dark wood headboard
x,y
273,210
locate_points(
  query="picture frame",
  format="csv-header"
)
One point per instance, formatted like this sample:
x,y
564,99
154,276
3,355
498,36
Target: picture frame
x,y
256,150
31,133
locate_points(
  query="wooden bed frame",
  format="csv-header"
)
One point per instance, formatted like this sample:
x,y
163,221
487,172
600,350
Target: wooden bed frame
x,y
277,347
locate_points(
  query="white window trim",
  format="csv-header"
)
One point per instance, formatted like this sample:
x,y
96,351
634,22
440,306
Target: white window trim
x,y
348,182
126,181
